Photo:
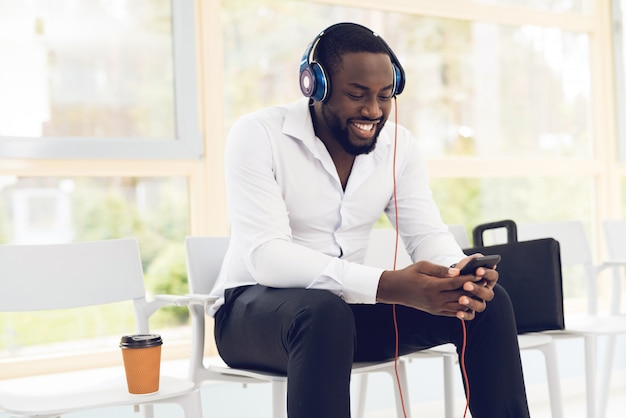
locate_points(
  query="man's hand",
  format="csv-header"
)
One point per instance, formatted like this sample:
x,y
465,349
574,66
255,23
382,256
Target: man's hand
x,y
439,290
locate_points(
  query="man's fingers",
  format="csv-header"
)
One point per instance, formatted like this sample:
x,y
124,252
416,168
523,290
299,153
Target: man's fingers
x,y
479,291
466,315
472,304
458,296
448,313
454,283
464,304
435,270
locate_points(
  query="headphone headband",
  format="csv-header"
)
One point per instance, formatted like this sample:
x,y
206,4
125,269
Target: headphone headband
x,y
314,81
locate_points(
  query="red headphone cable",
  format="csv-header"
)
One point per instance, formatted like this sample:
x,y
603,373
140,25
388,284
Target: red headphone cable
x,y
395,260
395,255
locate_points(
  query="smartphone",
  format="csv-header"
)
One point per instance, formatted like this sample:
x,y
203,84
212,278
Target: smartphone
x,y
487,261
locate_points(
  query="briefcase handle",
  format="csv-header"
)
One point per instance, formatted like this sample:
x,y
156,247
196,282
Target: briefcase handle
x,y
509,225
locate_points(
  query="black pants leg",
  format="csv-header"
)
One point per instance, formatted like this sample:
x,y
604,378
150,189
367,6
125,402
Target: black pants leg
x,y
307,334
314,336
492,357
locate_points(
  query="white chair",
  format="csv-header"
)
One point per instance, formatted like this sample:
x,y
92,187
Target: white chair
x,y
385,245
204,259
615,238
576,252
56,276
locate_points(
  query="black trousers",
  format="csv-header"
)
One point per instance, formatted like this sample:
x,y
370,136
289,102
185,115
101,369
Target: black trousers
x,y
314,336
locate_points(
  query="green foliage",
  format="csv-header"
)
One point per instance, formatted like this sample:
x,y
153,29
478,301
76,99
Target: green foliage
x,y
104,217
168,275
459,200
20,330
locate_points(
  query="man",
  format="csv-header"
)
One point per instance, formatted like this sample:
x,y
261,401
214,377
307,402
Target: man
x,y
306,183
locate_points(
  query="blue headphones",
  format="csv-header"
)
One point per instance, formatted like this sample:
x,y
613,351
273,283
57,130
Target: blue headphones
x,y
314,81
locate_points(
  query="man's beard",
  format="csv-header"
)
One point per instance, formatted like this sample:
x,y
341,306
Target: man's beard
x,y
342,135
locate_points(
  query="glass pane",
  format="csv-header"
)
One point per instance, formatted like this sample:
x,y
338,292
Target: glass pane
x,y
551,5
48,210
474,201
473,88
491,90
90,68
470,201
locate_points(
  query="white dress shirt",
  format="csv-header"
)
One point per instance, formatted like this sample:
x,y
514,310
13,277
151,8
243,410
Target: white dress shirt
x,y
293,225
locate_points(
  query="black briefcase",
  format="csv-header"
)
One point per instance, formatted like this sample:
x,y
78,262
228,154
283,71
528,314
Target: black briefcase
x,y
530,271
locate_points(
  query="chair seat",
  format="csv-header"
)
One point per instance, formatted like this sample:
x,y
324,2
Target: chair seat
x,y
437,351
598,325
111,393
367,367
528,341
360,367
252,374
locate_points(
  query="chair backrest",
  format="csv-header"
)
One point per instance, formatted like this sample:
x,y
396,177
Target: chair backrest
x,y
615,237
204,261
575,251
70,275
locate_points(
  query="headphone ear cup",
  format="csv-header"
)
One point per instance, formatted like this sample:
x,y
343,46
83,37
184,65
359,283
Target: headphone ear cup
x,y
313,82
307,81
398,80
322,83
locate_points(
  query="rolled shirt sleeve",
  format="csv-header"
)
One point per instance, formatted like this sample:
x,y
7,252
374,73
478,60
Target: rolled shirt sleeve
x,y
281,263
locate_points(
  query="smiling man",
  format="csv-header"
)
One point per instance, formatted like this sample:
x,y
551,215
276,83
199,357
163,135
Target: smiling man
x,y
306,183
364,104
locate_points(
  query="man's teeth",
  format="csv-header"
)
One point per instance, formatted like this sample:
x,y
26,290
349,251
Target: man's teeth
x,y
364,126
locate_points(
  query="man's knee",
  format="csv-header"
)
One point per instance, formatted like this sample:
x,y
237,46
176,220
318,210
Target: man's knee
x,y
501,298
325,316
500,309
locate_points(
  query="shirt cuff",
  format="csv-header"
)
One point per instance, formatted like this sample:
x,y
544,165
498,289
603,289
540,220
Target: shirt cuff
x,y
359,283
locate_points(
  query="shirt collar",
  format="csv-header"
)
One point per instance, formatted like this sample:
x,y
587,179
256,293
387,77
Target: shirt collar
x,y
299,125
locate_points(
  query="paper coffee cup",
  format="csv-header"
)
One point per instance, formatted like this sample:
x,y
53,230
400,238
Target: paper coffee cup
x,y
142,362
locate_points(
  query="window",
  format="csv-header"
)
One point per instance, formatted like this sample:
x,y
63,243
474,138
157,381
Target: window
x,y
553,5
100,138
473,88
98,79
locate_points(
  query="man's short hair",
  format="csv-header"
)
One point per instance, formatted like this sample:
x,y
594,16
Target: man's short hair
x,y
344,39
